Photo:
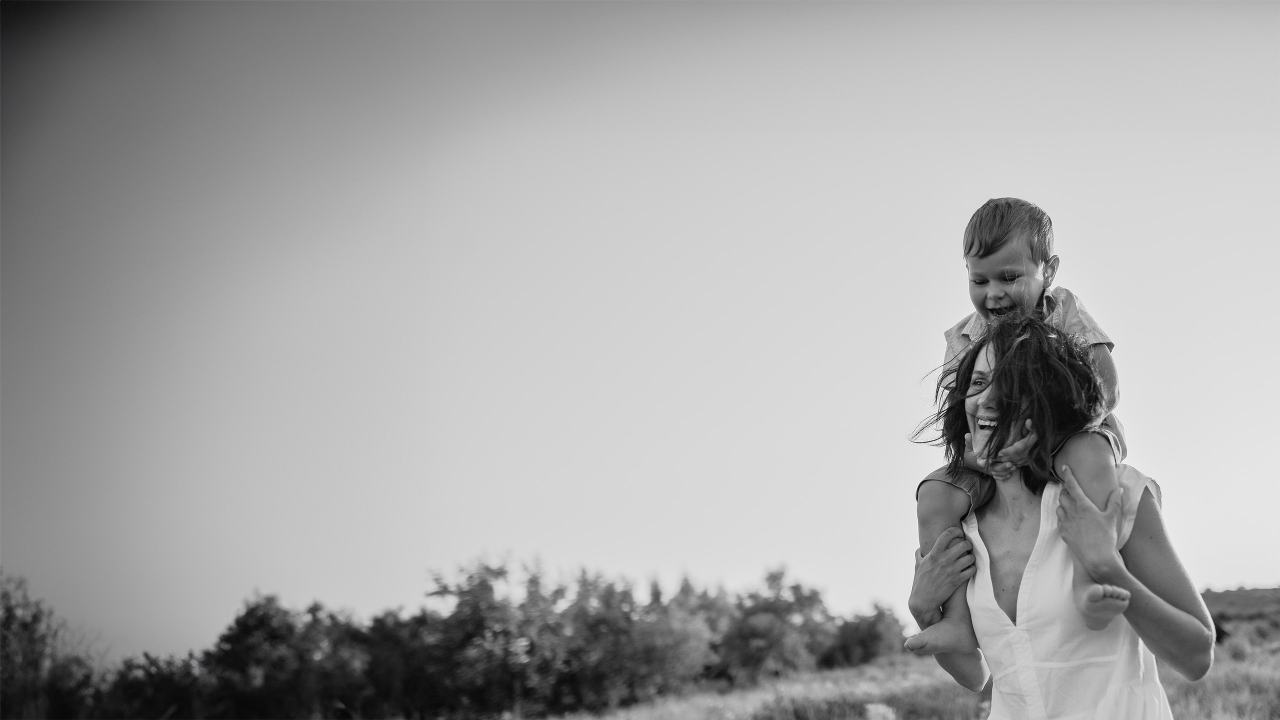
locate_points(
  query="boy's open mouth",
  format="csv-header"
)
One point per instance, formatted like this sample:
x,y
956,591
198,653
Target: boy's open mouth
x,y
999,311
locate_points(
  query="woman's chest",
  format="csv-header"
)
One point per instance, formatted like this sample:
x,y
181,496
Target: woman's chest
x,y
1010,543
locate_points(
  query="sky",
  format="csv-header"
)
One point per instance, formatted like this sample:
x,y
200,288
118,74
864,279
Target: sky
x,y
319,299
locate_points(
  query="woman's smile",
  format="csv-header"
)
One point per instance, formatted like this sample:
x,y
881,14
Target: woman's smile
x,y
979,404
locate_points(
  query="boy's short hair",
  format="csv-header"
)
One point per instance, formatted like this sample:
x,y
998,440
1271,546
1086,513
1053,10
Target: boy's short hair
x,y
1000,220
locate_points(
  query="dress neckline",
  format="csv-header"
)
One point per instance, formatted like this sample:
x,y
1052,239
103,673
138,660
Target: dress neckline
x,y
1028,571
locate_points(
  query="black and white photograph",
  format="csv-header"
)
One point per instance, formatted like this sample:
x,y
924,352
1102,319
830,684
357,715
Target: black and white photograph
x,y
639,359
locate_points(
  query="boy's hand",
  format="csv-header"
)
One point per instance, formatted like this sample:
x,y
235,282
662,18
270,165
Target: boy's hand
x,y
1018,452
999,470
1010,458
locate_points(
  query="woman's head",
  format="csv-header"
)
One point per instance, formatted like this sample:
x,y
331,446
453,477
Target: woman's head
x,y
1021,369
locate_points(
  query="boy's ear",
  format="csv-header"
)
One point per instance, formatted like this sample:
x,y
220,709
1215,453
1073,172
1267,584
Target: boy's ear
x,y
1050,270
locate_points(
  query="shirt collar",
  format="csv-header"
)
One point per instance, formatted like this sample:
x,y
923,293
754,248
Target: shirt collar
x,y
977,325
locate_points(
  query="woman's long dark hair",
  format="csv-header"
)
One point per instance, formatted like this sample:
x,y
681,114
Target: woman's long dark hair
x,y
1041,374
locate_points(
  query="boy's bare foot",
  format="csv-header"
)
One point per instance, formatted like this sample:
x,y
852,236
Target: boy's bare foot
x,y
945,636
1101,603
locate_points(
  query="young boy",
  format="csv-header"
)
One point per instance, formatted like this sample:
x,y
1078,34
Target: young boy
x,y
1008,249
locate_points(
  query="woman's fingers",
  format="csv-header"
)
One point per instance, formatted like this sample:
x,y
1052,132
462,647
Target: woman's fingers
x,y
959,551
1116,511
1069,482
1115,502
952,550
959,554
945,538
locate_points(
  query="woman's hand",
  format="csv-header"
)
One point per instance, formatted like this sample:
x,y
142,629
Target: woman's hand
x,y
1090,533
948,565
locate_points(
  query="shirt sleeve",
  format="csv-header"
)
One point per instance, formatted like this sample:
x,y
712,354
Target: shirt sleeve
x,y
1074,319
957,342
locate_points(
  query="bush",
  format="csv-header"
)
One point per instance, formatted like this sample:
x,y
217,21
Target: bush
x,y
863,639
39,676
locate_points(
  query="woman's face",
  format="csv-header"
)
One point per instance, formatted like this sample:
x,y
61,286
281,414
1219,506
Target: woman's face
x,y
979,402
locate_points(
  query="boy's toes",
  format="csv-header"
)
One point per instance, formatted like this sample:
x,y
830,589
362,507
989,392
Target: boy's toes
x,y
918,644
1102,603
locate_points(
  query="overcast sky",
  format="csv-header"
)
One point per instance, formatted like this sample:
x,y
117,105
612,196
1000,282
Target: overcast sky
x,y
315,299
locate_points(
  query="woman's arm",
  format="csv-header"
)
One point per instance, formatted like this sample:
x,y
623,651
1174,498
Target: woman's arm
x,y
1164,607
947,565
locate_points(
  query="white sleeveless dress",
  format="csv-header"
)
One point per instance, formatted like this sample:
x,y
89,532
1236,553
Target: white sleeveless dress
x,y
1049,665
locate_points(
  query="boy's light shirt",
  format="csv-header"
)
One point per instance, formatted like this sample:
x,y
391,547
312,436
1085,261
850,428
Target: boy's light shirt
x,y
1066,313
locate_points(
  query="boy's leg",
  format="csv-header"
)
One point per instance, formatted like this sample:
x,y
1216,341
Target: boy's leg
x,y
1099,604
940,505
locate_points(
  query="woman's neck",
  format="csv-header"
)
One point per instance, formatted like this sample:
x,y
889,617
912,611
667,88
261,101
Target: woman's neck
x,y
1012,496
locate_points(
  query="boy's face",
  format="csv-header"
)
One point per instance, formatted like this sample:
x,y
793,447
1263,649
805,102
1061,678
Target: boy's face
x,y
1008,279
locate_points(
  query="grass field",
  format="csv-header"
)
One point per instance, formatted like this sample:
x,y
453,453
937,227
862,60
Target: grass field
x,y
1243,685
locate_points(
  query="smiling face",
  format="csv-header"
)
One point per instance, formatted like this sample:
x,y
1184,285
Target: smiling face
x,y
979,403
1008,279
1022,374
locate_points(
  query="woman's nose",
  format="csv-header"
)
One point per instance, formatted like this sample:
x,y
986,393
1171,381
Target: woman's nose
x,y
983,399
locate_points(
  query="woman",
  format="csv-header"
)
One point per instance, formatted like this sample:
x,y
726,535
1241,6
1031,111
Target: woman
x,y
1041,525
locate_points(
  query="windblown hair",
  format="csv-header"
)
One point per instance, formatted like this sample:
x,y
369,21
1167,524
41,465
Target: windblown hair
x,y
1040,374
1001,220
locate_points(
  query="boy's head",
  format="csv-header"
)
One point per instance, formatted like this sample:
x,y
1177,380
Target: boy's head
x,y
1008,248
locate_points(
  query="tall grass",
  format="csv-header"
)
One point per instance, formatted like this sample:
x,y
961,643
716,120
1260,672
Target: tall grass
x,y
891,688
1243,685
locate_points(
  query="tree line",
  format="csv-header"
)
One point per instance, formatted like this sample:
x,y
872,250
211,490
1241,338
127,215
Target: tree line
x,y
486,652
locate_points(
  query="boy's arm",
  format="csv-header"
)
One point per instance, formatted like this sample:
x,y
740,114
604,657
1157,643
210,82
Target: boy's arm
x,y
1106,368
